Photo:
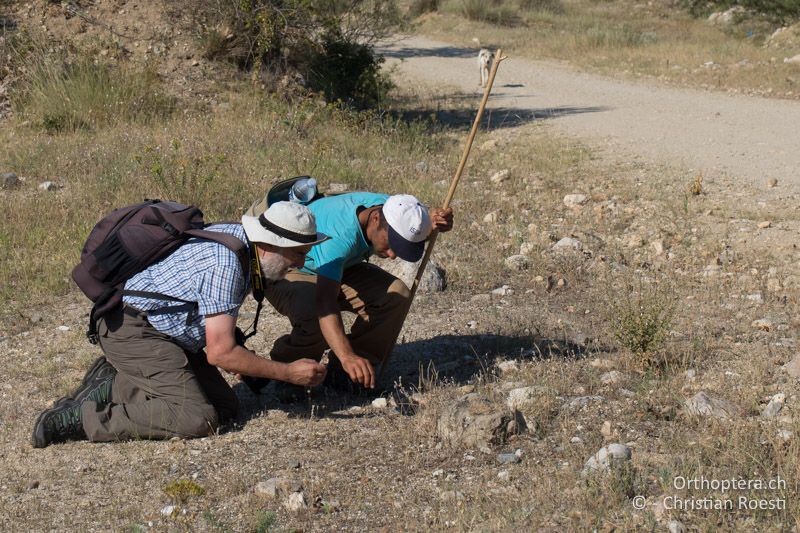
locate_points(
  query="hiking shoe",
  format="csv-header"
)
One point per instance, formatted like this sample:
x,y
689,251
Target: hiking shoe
x,y
255,384
289,393
337,379
58,424
96,384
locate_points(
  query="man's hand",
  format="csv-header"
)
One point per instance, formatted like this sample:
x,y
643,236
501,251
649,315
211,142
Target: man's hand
x,y
442,219
359,369
305,372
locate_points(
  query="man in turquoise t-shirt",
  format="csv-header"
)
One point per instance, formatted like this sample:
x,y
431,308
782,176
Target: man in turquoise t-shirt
x,y
336,278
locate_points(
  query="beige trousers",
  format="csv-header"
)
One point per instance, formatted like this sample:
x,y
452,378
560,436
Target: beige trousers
x,y
379,300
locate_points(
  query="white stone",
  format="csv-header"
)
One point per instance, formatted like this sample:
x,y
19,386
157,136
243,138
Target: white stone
x,y
379,403
611,378
607,457
568,243
47,186
295,502
774,406
490,218
517,262
503,475
500,176
793,59
505,367
575,200
793,367
267,489
674,526
701,404
505,290
167,510
523,397
658,247
764,324
526,248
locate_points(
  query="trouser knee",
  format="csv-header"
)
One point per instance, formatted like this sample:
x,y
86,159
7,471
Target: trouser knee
x,y
197,422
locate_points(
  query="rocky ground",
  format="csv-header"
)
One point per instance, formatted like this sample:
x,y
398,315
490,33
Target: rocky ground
x,y
510,402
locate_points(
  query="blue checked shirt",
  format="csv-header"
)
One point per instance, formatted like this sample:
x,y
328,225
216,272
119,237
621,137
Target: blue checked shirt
x,y
199,271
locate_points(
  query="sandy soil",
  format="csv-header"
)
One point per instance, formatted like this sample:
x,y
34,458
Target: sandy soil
x,y
746,138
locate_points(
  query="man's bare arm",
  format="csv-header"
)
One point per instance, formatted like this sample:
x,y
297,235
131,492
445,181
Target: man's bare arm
x,y
223,352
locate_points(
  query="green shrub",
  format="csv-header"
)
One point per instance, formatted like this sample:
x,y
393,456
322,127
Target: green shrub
x,y
641,316
348,72
418,7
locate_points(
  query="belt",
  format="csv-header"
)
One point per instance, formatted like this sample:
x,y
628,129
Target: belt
x,y
132,311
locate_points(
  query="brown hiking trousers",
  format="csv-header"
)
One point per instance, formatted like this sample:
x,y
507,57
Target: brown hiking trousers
x,y
379,300
160,390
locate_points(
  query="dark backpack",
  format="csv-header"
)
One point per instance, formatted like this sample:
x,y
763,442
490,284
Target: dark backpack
x,y
128,240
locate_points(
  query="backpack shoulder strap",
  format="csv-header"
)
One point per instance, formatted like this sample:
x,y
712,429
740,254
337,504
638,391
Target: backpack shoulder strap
x,y
234,244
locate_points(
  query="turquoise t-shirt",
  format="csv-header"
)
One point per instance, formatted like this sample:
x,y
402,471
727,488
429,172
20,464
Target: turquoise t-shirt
x,y
336,217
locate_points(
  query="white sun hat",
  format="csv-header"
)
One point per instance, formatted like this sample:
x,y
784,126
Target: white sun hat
x,y
284,224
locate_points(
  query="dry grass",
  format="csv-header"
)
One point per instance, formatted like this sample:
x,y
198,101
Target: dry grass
x,y
391,472
653,40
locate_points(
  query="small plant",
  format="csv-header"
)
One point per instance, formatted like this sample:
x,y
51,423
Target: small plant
x,y
182,489
182,176
696,187
264,520
495,12
418,7
641,318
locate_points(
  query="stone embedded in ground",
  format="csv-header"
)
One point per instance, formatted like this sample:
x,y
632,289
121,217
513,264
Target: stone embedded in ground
x,y
764,324
525,396
633,240
601,363
489,145
434,279
658,247
504,475
774,406
517,262
608,457
727,17
526,248
674,526
702,404
575,200
509,458
793,367
277,486
785,434
9,179
500,176
581,402
505,290
490,218
47,186
295,502
505,367
421,167
793,59
772,183
474,421
612,378
765,224
568,243
167,510
606,430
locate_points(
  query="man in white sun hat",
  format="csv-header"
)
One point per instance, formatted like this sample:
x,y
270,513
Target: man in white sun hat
x,y
336,278
162,382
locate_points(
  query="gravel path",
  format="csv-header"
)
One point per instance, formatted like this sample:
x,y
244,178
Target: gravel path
x,y
744,138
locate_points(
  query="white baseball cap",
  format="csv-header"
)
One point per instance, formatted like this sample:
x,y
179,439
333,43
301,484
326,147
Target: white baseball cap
x,y
409,226
284,224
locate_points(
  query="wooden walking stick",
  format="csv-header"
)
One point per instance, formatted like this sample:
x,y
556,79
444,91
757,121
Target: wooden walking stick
x,y
498,57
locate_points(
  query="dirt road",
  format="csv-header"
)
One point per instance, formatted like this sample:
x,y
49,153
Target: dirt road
x,y
744,138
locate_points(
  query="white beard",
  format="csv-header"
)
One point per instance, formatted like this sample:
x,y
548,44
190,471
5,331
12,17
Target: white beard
x,y
274,266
